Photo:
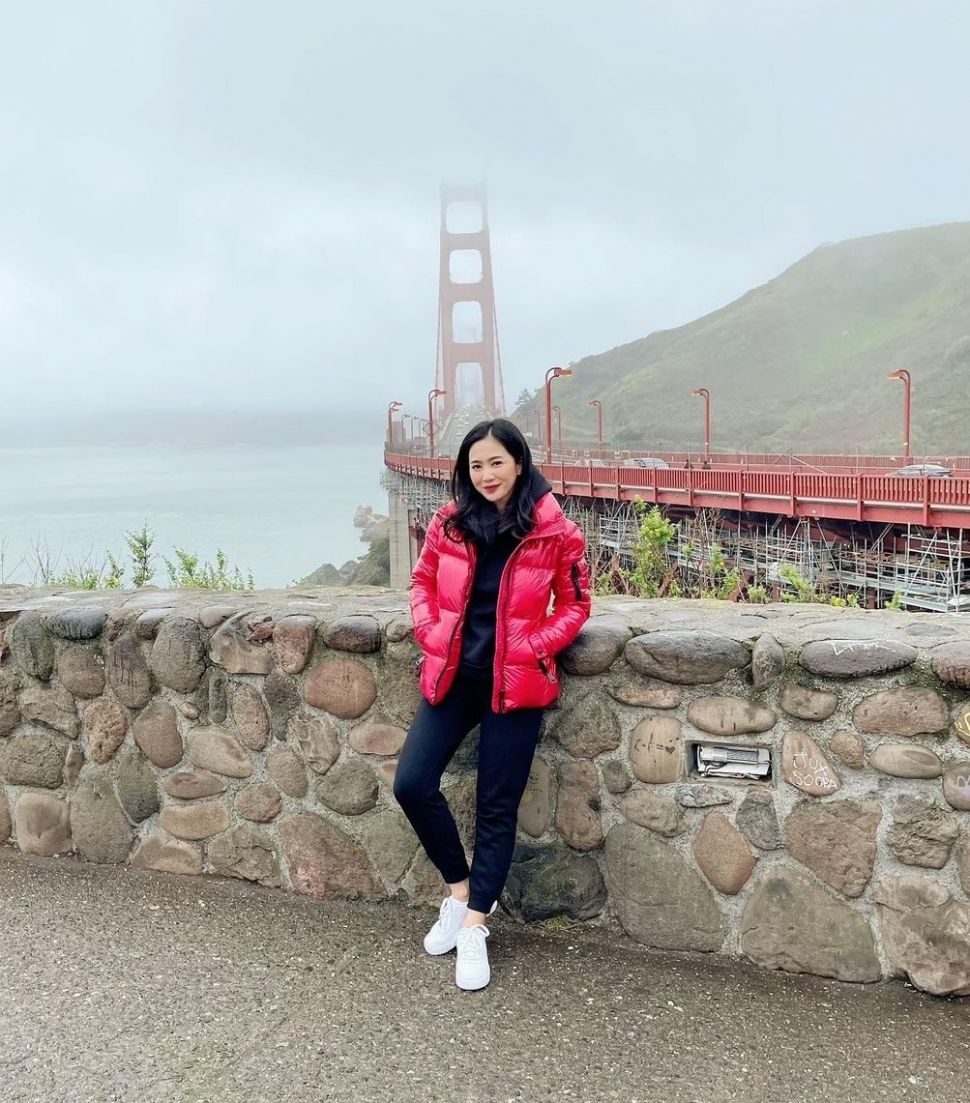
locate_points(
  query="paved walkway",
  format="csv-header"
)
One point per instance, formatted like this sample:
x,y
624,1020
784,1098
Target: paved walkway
x,y
122,985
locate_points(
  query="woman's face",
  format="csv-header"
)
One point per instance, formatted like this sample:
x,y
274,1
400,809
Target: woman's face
x,y
493,471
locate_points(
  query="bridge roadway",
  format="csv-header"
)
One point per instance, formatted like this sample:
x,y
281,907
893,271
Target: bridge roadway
x,y
826,490
121,986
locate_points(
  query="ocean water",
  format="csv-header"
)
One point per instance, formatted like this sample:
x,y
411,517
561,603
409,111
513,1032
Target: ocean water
x,y
277,511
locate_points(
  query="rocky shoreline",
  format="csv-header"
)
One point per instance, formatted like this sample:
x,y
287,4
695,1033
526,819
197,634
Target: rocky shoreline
x,y
373,568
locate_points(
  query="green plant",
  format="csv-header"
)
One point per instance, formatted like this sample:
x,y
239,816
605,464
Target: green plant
x,y
140,551
723,584
650,569
728,586
757,595
556,923
188,570
84,576
896,601
804,591
850,601
188,573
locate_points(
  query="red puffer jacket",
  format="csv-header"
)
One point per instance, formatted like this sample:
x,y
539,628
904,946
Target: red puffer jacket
x,y
546,568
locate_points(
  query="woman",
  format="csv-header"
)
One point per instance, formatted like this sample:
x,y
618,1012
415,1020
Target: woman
x,y
500,587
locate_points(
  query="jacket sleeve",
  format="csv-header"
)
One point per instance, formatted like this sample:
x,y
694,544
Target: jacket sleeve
x,y
570,587
424,582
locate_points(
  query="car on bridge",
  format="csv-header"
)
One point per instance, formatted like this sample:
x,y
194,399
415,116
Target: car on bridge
x,y
917,470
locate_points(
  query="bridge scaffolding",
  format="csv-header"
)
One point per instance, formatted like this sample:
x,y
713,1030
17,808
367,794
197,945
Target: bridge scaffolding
x,y
423,497
929,569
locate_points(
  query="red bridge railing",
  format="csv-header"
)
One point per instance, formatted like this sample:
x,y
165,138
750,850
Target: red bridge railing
x,y
789,491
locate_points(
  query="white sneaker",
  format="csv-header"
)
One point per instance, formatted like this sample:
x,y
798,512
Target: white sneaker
x,y
441,938
471,967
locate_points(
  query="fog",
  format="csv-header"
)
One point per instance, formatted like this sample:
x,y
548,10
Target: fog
x,y
233,206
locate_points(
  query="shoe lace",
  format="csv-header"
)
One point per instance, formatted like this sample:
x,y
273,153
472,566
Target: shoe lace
x,y
473,944
445,912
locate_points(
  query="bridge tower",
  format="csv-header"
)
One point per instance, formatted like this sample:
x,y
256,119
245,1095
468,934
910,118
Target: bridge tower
x,y
468,348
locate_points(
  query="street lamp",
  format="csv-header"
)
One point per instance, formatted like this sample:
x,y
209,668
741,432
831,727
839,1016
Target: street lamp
x,y
557,410
703,392
391,407
599,419
551,374
432,395
904,377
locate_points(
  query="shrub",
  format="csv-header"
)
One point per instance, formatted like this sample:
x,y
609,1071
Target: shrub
x,y
650,570
189,574
187,571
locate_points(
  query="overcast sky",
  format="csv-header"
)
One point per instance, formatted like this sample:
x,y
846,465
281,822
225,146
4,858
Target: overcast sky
x,y
225,203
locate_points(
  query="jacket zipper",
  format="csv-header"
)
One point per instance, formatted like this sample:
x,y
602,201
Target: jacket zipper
x,y
500,608
574,575
545,670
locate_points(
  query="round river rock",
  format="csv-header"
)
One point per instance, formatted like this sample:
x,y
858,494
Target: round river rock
x,y
343,687
686,658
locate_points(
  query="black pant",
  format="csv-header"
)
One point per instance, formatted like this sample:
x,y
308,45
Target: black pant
x,y
506,748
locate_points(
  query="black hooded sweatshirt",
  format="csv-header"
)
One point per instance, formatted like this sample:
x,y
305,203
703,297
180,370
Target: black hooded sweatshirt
x,y
494,548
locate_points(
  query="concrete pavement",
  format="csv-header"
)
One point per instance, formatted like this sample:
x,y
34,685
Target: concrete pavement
x,y
119,985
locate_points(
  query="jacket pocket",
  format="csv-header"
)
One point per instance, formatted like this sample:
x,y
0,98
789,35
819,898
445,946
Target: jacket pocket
x,y
548,668
546,663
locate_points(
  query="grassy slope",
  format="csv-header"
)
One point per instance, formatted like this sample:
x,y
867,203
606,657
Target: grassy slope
x,y
801,361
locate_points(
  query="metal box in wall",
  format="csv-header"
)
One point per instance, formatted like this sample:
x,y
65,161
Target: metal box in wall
x,y
746,763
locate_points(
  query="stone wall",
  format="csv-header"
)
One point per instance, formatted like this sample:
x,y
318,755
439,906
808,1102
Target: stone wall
x,y
257,739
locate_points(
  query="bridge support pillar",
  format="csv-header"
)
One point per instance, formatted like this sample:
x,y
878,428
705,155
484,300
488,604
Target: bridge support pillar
x,y
469,298
403,547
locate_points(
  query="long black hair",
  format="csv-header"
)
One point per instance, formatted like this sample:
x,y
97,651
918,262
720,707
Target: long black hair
x,y
476,518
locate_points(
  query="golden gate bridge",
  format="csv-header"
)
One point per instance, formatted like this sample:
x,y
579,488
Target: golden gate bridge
x,y
871,527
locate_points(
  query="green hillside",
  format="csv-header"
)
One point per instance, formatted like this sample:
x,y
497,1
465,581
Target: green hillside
x,y
800,363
